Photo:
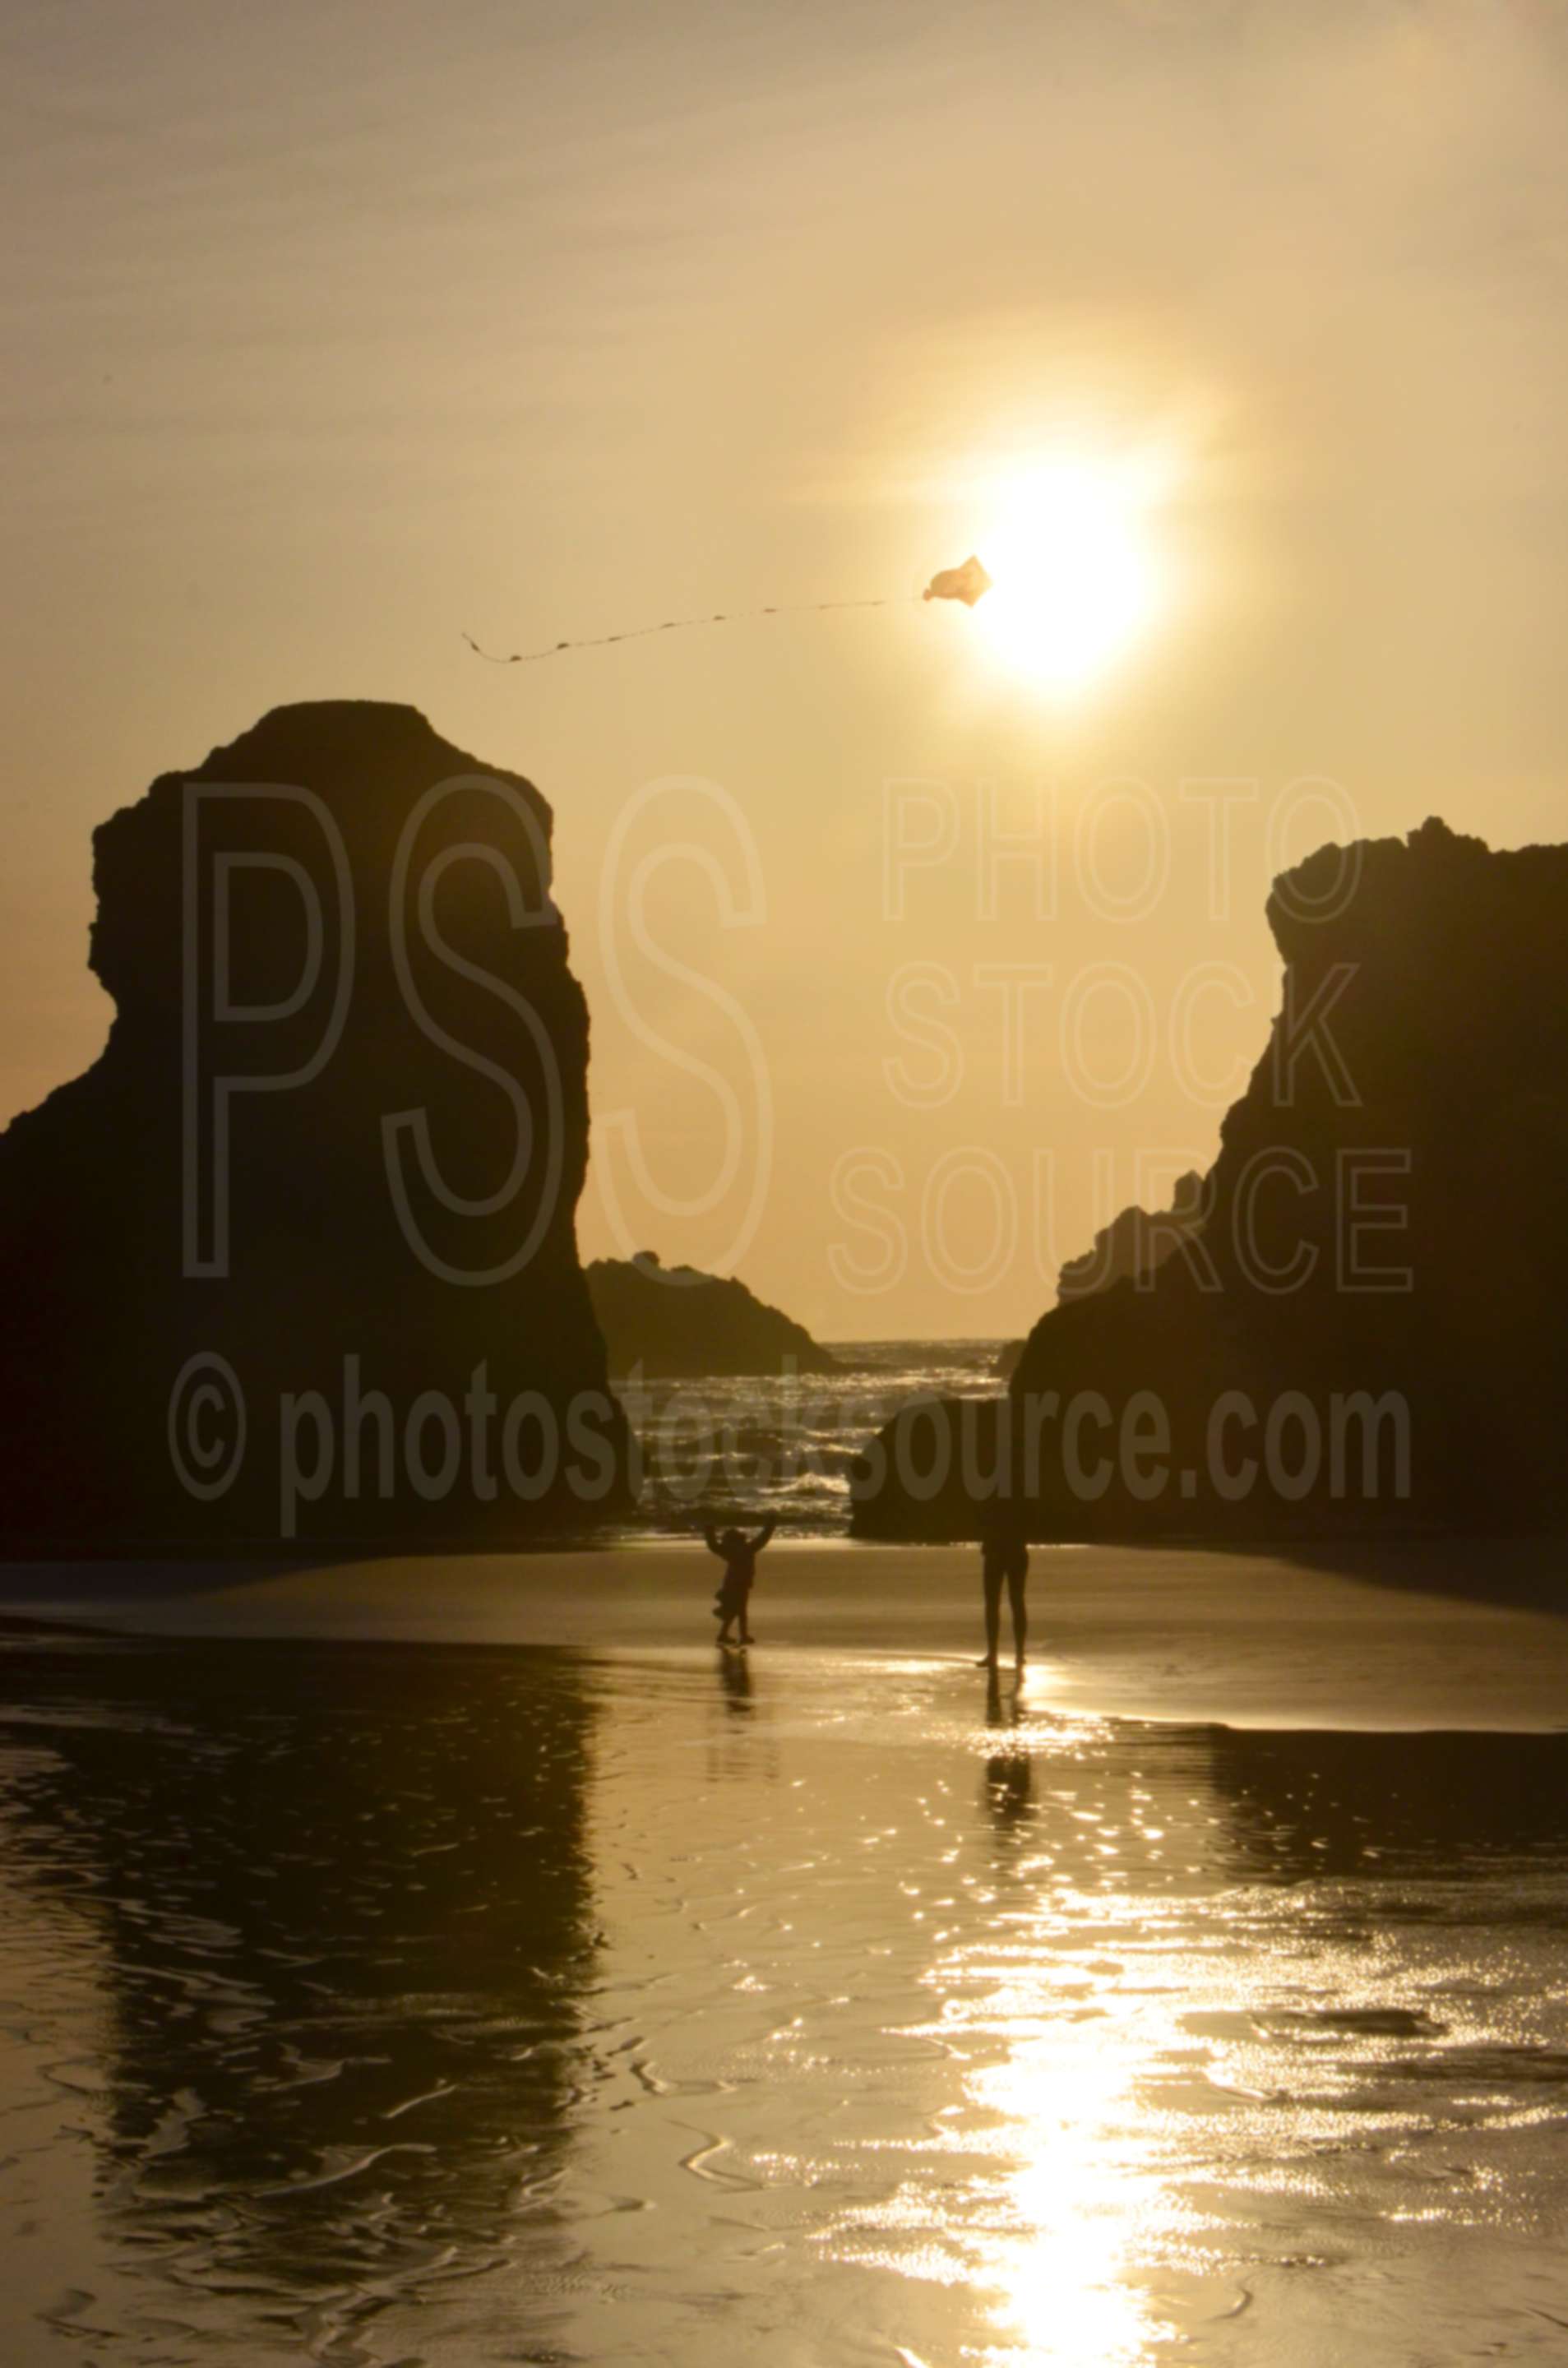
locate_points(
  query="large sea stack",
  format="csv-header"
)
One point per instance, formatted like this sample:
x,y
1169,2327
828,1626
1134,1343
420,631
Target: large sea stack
x,y
329,1158
1365,1333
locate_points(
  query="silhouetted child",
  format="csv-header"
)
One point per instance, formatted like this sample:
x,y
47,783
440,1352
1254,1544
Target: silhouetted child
x,y
738,1554
1004,1558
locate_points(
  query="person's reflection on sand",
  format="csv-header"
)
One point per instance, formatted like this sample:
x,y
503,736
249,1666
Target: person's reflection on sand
x,y
1009,1774
742,1749
734,1680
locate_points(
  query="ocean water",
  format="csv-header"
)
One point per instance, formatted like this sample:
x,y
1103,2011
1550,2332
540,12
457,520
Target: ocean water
x,y
785,1444
397,2004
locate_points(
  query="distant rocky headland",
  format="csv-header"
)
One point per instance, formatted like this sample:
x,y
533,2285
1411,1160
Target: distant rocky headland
x,y
1364,1331
295,1258
677,1323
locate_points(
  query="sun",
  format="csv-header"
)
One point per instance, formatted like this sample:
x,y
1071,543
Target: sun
x,y
1077,581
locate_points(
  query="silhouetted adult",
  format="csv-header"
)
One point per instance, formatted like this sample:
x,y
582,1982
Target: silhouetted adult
x,y
1004,1560
738,1554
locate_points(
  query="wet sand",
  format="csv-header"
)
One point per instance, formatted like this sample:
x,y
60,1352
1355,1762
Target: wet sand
x,y
1457,1636
821,2007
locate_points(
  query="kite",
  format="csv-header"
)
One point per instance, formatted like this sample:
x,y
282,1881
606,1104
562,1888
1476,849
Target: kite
x,y
966,584
969,582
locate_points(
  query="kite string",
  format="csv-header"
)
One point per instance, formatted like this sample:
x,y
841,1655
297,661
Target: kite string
x,y
674,625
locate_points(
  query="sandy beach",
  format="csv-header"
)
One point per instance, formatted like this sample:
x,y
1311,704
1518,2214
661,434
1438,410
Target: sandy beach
x,y
1453,1635
482,1999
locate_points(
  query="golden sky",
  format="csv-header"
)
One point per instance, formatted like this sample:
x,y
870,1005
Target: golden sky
x,y
332,330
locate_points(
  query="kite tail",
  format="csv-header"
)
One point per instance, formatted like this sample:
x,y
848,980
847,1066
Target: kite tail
x,y
672,625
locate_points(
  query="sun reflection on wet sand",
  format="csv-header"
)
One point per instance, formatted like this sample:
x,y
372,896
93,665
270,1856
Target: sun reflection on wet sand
x,y
1069,2198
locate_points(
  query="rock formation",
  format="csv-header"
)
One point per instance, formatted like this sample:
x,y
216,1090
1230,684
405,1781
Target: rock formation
x,y
336,1140
1371,1314
1134,1242
675,1322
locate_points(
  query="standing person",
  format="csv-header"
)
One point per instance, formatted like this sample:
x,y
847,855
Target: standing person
x,y
1004,1559
738,1554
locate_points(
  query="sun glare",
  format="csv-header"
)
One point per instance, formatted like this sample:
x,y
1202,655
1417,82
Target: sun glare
x,y
1077,579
